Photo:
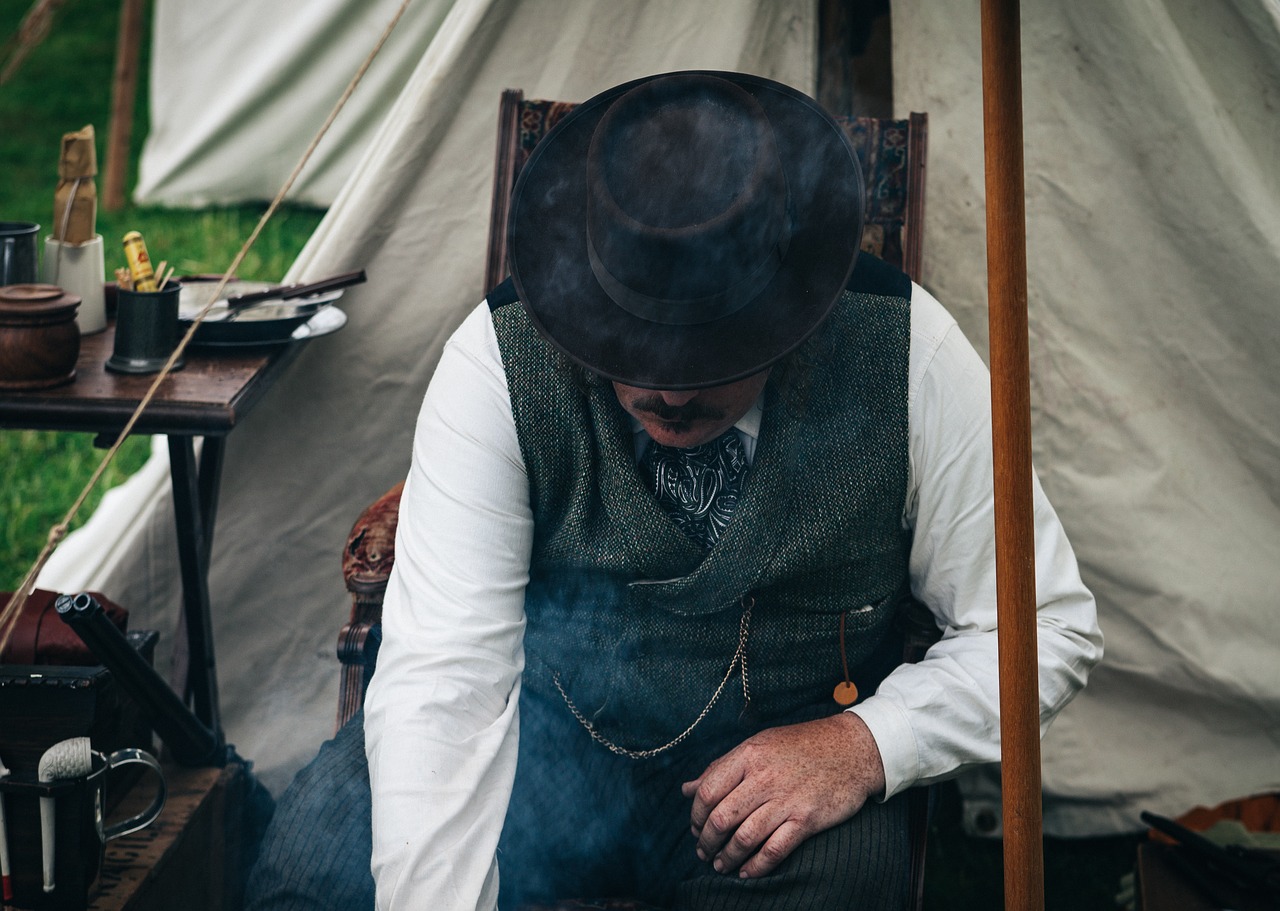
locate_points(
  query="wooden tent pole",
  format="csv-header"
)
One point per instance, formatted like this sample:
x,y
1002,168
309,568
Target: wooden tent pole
x,y
1011,439
124,92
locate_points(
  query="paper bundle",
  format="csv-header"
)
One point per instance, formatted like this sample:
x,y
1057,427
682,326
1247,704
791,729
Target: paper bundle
x,y
75,201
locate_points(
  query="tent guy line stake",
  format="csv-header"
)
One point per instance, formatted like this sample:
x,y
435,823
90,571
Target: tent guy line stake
x,y
8,617
1011,446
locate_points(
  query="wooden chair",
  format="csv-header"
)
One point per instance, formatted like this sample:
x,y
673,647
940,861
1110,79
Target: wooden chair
x,y
893,159
892,154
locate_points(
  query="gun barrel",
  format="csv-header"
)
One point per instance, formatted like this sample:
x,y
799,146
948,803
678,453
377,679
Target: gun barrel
x,y
189,740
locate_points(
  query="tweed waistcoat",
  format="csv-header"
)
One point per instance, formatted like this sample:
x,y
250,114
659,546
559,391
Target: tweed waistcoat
x,y
633,626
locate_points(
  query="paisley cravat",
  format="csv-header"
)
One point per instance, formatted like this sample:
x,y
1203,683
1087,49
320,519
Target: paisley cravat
x,y
699,487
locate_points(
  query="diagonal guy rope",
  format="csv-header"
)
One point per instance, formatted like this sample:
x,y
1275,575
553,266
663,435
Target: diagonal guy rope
x,y
8,617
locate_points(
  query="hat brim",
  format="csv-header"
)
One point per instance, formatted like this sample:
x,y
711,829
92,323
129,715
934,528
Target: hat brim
x,y
547,243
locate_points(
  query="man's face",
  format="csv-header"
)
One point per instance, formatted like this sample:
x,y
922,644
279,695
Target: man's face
x,y
693,416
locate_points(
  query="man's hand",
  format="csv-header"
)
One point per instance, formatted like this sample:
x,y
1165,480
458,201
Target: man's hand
x,y
753,806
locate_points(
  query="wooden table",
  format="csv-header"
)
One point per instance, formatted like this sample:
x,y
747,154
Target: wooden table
x,y
207,398
189,858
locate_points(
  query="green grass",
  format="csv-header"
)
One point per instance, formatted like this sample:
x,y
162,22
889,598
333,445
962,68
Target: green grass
x,y
44,473
62,86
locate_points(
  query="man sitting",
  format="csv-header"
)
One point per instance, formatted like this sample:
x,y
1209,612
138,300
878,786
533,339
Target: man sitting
x,y
670,491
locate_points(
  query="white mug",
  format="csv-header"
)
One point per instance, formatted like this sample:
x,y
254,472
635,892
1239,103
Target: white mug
x,y
78,269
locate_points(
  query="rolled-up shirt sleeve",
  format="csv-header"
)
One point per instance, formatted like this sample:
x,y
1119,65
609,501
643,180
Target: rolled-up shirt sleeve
x,y
941,715
440,715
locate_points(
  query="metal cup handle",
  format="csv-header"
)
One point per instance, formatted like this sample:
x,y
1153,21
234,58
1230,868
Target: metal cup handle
x,y
148,816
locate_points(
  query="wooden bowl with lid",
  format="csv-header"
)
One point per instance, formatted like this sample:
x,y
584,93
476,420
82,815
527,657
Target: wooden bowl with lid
x,y
39,339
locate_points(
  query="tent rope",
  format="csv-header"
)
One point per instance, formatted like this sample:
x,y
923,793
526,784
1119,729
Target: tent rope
x,y
9,616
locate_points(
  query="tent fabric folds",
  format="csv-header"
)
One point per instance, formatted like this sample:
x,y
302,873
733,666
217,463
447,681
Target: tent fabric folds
x,y
335,432
237,81
1153,242
1153,223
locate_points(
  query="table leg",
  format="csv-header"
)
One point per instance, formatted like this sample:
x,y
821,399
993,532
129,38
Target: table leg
x,y
195,494
211,454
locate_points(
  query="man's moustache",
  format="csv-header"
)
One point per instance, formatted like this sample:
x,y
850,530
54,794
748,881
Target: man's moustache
x,y
693,411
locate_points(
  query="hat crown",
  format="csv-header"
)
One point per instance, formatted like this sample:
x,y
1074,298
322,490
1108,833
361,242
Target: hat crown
x,y
685,230
686,200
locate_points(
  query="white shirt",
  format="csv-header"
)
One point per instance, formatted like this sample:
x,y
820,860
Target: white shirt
x,y
441,717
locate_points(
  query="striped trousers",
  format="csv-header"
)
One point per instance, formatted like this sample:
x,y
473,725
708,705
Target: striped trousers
x,y
583,823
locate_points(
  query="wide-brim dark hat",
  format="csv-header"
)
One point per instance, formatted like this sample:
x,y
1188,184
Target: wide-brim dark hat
x,y
686,230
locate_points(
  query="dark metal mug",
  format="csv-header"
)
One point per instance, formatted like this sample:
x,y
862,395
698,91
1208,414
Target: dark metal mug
x,y
80,830
146,330
18,252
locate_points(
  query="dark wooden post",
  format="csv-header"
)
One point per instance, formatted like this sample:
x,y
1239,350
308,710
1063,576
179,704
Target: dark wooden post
x,y
124,91
855,60
1011,437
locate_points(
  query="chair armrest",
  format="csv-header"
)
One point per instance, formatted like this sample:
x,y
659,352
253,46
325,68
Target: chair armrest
x,y
366,566
371,549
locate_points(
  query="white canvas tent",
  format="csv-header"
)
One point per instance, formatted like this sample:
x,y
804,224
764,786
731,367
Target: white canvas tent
x,y
274,71
1153,243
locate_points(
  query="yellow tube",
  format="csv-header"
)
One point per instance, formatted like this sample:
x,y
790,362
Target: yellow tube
x,y
135,253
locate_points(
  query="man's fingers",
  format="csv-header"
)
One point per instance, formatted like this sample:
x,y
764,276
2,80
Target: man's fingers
x,y
785,839
724,820
755,829
709,789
